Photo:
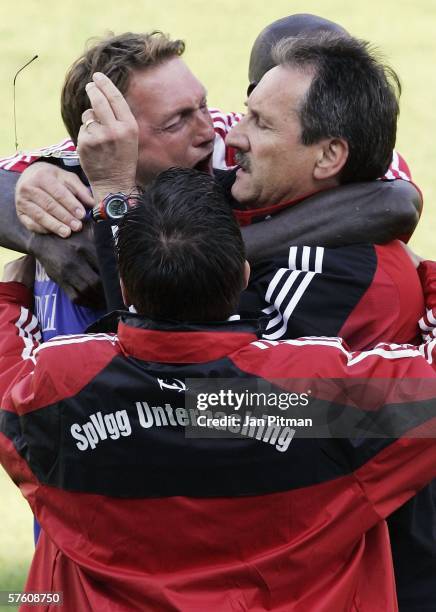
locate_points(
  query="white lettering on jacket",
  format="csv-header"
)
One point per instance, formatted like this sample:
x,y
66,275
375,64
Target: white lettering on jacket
x,y
99,427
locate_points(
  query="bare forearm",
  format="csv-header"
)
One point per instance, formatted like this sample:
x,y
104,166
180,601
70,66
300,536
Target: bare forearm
x,y
365,212
13,235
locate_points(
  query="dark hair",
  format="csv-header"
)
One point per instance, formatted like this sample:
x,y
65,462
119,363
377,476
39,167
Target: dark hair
x,y
352,96
293,25
180,250
117,57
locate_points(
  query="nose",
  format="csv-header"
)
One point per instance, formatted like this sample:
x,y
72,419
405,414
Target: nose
x,y
204,132
237,137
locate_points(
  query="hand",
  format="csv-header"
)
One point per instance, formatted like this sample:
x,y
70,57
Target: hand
x,y
108,139
20,270
72,264
51,200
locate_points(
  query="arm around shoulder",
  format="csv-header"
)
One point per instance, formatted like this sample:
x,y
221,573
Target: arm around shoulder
x,y
375,212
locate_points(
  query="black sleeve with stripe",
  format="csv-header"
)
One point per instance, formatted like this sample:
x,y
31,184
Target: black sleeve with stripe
x,y
311,292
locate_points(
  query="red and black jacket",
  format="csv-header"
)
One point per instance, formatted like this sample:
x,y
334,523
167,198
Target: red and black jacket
x,y
154,520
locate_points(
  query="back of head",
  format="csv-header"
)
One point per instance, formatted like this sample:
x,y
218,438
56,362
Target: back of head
x,y
353,96
294,25
117,57
180,251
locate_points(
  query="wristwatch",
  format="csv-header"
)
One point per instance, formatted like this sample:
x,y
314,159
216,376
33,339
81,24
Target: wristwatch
x,y
113,207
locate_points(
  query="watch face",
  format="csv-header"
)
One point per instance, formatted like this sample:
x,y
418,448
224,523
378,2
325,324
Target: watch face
x,y
116,208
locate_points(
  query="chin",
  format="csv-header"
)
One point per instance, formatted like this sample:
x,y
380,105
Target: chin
x,y
241,195
242,189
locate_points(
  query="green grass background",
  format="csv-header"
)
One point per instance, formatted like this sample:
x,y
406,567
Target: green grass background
x,y
219,36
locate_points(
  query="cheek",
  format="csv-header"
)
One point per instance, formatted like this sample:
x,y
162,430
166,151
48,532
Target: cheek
x,y
156,151
180,150
265,150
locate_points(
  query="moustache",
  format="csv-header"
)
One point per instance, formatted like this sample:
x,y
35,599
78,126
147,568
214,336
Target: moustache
x,y
242,161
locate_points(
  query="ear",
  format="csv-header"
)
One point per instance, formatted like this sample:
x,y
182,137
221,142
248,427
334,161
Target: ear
x,y
332,157
247,271
124,293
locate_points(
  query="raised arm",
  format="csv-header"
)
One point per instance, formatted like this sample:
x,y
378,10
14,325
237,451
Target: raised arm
x,y
375,212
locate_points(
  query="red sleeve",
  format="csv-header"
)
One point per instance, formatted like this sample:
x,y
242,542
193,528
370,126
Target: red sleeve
x,y
399,169
392,305
20,161
19,336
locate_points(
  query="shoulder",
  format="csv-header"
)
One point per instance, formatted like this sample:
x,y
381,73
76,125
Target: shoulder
x,y
65,364
84,345
305,356
351,261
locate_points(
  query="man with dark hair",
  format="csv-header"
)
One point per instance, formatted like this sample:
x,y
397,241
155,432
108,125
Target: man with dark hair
x,y
350,77
306,131
335,83
181,253
261,61
137,516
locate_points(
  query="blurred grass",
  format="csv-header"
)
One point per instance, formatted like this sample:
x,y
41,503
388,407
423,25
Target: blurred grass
x,y
219,38
16,540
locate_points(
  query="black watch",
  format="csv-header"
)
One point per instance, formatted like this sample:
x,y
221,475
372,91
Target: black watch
x,y
113,207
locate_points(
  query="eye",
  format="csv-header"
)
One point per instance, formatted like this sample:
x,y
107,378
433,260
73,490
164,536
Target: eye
x,y
175,125
258,122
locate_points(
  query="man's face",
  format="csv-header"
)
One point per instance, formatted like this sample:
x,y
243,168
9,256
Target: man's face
x,y
274,166
175,128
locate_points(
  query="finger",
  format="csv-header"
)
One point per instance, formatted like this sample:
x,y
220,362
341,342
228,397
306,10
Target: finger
x,y
61,202
85,288
80,190
31,225
115,98
47,213
100,105
59,196
88,114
